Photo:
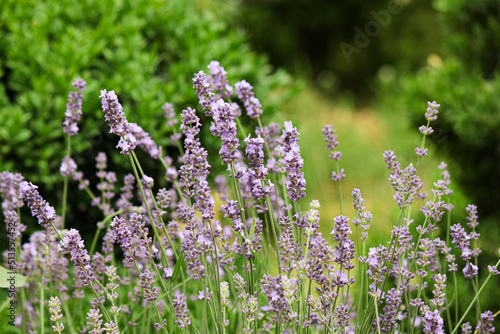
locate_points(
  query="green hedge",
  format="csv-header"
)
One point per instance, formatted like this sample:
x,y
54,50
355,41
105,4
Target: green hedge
x,y
145,50
466,84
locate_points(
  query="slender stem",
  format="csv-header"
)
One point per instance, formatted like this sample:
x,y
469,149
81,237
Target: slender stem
x,y
422,147
42,308
456,295
104,221
242,130
474,300
138,165
377,318
150,216
67,314
65,187
340,188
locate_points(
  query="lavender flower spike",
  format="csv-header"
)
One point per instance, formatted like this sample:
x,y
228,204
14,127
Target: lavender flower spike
x,y
296,183
9,190
55,314
247,96
218,77
39,207
72,243
331,142
180,307
114,115
68,167
205,95
433,323
74,108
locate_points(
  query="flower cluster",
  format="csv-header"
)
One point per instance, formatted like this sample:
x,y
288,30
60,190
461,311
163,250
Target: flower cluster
x,y
74,108
40,209
114,115
246,95
244,258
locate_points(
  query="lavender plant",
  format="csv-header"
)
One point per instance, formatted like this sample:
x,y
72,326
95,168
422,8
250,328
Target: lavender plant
x,y
243,256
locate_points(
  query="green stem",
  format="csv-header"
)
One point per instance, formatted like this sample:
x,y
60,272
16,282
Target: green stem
x,y
150,216
340,188
42,308
65,187
104,222
376,316
474,300
138,165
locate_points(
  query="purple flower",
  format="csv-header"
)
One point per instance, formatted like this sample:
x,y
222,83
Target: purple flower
x,y
13,226
205,95
147,182
425,130
74,108
296,183
362,218
331,142
147,283
101,163
434,210
486,325
247,96
225,128
376,263
10,190
194,172
338,176
94,321
122,233
68,167
421,151
38,206
169,114
405,182
218,78
388,317
470,270
114,115
345,248
433,323
168,272
493,270
280,294
461,241
145,141
439,291
472,216
257,173
181,311
432,111
73,244
466,328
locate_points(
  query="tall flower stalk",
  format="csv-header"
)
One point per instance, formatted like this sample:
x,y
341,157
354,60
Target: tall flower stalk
x,y
194,260
72,115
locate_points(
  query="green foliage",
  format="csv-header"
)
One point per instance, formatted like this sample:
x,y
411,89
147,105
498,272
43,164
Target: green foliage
x,y
307,36
466,84
145,50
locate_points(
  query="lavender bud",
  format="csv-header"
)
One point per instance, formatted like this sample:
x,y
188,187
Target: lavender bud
x,y
74,108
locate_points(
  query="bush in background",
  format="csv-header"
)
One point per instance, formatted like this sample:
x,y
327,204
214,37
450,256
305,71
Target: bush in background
x,y
307,38
146,51
468,83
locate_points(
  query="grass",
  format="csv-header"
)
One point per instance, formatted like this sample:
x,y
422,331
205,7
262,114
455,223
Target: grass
x,y
364,134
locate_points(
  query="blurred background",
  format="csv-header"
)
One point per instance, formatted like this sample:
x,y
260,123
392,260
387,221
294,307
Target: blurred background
x,y
366,67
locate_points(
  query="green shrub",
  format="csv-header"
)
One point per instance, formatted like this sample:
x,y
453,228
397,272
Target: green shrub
x,y
145,50
466,84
